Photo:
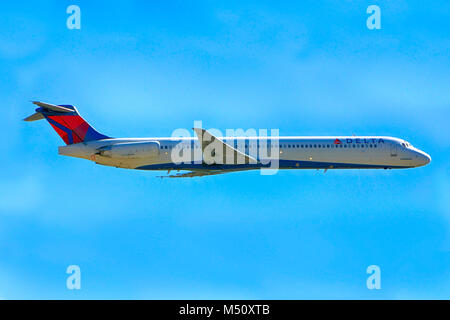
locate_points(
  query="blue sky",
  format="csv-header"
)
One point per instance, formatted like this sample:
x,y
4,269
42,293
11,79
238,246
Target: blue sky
x,y
145,68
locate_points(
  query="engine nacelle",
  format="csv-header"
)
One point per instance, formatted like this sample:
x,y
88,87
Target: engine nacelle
x,y
130,150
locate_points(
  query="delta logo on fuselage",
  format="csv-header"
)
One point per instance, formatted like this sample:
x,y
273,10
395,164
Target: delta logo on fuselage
x,y
359,140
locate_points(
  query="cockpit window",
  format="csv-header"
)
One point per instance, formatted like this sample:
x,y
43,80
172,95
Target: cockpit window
x,y
406,144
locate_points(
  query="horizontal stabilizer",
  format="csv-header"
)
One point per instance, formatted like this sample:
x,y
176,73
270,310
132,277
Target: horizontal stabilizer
x,y
34,117
52,107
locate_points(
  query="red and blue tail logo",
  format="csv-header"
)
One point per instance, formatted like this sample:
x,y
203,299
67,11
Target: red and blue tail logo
x,y
66,121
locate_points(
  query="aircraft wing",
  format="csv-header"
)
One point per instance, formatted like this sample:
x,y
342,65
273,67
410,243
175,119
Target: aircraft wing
x,y
202,173
220,152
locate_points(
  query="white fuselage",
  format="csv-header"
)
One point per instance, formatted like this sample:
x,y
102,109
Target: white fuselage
x,y
337,152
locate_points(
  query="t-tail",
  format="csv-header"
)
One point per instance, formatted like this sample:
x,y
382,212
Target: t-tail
x,y
67,122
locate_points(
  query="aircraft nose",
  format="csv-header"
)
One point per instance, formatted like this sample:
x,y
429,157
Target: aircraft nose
x,y
423,158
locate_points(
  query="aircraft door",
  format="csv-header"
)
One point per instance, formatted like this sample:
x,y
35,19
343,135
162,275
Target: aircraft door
x,y
393,149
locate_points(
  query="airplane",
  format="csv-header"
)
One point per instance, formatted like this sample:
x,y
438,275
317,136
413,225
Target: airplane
x,y
207,154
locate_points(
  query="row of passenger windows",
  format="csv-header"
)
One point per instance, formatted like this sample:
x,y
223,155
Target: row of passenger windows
x,y
299,146
327,146
182,146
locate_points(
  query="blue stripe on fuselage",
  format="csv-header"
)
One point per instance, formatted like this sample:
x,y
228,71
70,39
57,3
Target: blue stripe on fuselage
x,y
283,164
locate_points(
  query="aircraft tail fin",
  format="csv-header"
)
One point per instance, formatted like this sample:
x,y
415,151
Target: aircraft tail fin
x,y
66,121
